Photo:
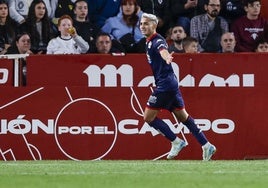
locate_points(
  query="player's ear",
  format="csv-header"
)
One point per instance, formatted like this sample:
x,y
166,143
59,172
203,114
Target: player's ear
x,y
155,25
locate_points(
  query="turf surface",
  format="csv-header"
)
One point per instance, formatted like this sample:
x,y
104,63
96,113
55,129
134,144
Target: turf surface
x,y
162,173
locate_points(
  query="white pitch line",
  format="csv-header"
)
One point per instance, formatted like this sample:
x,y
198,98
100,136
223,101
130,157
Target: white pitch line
x,y
161,156
20,98
179,171
68,93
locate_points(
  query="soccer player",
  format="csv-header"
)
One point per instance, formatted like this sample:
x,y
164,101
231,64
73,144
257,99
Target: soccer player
x,y
167,94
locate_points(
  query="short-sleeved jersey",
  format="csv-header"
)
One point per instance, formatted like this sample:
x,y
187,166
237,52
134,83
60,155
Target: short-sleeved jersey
x,y
164,76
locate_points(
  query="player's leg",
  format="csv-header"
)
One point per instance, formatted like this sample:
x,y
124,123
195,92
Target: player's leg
x,y
188,121
183,116
155,102
176,143
150,117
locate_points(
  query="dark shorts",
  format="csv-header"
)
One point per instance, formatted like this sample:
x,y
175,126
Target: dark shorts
x,y
166,100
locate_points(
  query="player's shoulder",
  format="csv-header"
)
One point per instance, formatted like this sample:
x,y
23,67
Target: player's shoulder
x,y
158,39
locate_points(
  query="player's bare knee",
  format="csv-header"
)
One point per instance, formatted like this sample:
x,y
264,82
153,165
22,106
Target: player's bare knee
x,y
148,119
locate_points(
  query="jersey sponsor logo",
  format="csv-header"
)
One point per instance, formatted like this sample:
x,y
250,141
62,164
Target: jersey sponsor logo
x,y
152,99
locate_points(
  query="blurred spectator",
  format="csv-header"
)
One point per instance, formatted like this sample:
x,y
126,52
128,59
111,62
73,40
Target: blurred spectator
x,y
60,8
125,27
19,9
262,46
228,42
83,25
68,42
7,27
21,45
250,28
231,10
177,36
39,26
104,44
190,45
159,8
184,10
101,10
207,28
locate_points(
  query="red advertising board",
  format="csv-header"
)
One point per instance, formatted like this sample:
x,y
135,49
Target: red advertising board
x,y
6,72
90,107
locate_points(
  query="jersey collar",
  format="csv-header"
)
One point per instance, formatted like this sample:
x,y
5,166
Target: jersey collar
x,y
151,37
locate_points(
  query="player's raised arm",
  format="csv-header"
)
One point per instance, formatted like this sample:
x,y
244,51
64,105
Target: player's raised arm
x,y
168,57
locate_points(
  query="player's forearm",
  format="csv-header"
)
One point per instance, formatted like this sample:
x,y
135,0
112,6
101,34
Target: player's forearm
x,y
166,56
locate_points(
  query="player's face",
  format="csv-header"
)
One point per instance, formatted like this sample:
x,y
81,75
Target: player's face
x,y
147,27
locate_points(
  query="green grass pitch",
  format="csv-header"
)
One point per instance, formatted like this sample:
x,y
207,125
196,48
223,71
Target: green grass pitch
x,y
138,174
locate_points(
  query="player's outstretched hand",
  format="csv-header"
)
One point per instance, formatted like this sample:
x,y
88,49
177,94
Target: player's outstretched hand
x,y
169,58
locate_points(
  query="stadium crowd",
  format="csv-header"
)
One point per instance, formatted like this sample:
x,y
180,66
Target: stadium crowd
x,y
104,26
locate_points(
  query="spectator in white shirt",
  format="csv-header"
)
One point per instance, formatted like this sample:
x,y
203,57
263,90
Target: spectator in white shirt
x,y
18,9
68,42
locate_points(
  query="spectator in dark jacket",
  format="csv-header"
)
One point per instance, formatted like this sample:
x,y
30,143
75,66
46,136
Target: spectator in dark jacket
x,y
100,10
7,27
184,10
105,45
39,26
162,11
232,10
84,27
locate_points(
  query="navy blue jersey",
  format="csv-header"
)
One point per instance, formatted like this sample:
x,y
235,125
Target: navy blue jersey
x,y
164,76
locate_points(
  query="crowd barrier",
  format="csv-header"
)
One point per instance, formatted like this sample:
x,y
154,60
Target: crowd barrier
x,y
90,107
